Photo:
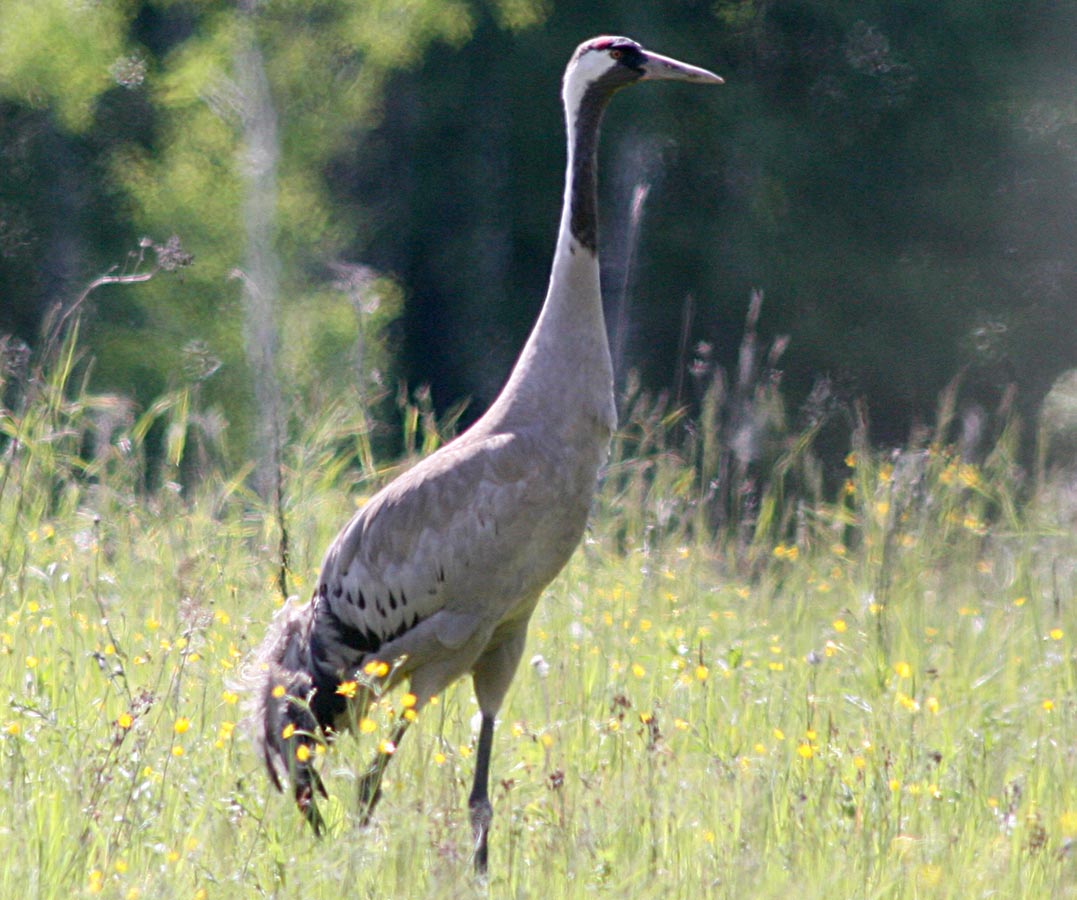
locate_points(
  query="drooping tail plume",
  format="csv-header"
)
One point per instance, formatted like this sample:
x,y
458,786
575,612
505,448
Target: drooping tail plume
x,y
282,724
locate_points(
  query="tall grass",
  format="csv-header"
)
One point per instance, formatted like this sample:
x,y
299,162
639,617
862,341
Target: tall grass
x,y
751,680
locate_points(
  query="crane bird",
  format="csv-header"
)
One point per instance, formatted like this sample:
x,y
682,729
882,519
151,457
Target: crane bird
x,y
437,576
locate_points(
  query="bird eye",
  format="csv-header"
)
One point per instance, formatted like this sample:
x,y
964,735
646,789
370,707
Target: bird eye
x,y
616,54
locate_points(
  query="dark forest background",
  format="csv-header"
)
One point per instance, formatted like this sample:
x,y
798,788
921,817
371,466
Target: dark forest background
x,y
370,193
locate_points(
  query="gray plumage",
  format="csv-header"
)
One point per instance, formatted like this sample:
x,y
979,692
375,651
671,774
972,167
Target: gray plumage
x,y
439,573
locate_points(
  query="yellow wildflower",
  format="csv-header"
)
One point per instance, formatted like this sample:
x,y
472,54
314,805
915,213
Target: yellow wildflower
x,y
376,668
929,875
908,703
969,475
1067,822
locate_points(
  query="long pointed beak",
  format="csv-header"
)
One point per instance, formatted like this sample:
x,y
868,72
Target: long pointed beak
x,y
662,67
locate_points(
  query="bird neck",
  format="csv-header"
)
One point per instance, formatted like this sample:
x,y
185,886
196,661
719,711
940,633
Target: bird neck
x,y
580,214
566,361
573,307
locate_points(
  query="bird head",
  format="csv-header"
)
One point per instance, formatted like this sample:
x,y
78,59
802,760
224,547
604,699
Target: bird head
x,y
610,63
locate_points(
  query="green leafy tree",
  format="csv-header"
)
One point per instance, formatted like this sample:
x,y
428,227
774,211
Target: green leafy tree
x,y
221,120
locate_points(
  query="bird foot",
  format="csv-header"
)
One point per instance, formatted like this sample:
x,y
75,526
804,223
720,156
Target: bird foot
x,y
482,814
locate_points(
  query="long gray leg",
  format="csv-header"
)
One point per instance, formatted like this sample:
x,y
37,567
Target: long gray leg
x,y
370,783
492,675
478,803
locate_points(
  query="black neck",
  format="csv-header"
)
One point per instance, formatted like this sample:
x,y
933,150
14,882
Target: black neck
x,y
584,174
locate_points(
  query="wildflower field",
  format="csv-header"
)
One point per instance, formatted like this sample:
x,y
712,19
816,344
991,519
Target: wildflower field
x,y
860,691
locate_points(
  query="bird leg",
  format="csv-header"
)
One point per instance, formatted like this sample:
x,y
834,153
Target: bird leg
x,y
370,783
478,804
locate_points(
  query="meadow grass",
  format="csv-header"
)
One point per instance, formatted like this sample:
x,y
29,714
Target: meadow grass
x,y
867,695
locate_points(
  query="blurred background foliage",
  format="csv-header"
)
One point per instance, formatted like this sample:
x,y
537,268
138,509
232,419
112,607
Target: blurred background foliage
x,y
370,192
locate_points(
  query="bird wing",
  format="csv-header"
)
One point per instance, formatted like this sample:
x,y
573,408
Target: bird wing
x,y
433,541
